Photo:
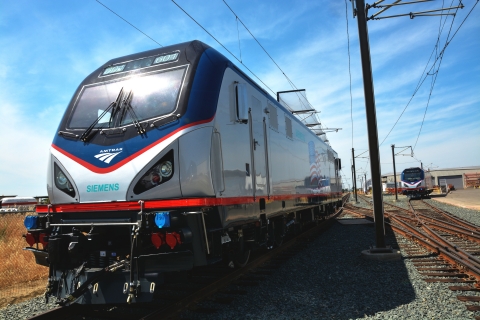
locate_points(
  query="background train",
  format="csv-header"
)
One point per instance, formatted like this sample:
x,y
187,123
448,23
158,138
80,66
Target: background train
x,y
416,182
17,203
170,159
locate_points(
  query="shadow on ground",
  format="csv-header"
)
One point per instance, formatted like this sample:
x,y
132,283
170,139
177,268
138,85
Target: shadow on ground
x,y
328,280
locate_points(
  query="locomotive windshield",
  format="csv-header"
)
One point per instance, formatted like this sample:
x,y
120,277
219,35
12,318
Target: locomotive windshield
x,y
413,175
154,95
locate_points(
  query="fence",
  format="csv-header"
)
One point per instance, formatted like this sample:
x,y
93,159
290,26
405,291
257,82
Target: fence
x,y
20,277
472,180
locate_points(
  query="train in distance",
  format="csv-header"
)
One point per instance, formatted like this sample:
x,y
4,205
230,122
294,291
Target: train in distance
x,y
416,182
167,160
14,203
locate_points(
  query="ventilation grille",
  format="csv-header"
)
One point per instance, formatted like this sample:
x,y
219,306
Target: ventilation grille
x,y
288,127
273,117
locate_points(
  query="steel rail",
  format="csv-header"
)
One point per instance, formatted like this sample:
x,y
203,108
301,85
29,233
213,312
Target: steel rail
x,y
454,230
447,244
436,247
432,241
448,227
351,211
456,220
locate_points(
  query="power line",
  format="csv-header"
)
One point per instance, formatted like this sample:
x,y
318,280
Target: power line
x,y
349,71
435,74
301,99
419,84
423,78
222,45
129,23
258,42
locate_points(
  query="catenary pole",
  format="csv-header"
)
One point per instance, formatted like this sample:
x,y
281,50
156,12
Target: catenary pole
x,y
371,124
354,176
365,183
394,172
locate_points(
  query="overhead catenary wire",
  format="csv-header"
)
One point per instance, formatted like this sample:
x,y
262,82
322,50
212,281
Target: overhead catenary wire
x,y
349,68
435,74
419,84
263,48
422,77
129,23
301,99
211,35
239,46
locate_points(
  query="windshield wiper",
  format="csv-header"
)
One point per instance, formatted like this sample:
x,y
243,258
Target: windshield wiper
x,y
127,107
86,135
115,107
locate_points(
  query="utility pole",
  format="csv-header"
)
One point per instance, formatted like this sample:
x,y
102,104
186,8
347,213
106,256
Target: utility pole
x,y
361,12
361,183
354,176
371,125
394,172
366,183
353,182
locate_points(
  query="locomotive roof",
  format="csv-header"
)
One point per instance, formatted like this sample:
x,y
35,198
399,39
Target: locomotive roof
x,y
198,46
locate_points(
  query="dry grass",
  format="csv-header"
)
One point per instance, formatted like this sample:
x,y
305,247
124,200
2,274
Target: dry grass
x,y
18,269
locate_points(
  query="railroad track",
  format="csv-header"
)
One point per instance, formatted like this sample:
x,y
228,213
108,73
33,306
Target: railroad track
x,y
443,247
185,291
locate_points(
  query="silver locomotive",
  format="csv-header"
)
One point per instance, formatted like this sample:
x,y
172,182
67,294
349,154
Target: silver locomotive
x,y
170,159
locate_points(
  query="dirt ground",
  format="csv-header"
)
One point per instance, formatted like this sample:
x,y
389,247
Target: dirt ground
x,y
14,294
464,198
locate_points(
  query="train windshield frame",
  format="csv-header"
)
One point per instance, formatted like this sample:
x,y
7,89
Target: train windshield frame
x,y
155,95
413,175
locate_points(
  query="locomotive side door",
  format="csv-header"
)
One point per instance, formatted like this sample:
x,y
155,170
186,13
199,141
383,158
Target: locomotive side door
x,y
258,148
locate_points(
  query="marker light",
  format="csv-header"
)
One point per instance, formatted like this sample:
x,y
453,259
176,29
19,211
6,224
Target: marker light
x,y
155,178
162,219
30,222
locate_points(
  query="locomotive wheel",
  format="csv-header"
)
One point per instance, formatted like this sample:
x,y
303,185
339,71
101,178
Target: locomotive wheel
x,y
240,258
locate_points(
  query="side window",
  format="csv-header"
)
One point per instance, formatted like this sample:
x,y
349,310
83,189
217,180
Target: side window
x,y
273,117
241,102
288,127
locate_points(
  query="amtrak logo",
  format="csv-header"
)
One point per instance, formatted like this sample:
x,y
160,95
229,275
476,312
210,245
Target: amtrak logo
x,y
107,155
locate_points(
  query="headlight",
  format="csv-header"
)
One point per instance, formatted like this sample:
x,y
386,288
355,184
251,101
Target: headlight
x,y
61,179
159,173
62,182
166,168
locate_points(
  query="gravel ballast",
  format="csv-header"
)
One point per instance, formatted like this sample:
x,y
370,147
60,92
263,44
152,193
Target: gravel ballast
x,y
330,280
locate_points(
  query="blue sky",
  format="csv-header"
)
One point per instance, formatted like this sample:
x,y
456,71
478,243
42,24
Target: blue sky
x,y
49,47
